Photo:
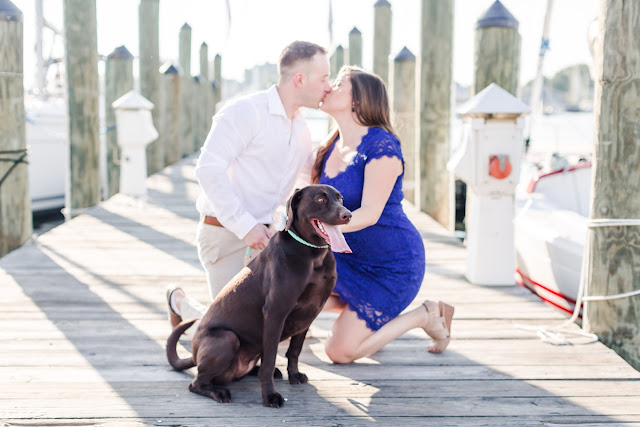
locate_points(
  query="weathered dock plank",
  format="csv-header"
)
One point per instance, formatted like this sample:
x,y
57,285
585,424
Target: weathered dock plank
x,y
83,327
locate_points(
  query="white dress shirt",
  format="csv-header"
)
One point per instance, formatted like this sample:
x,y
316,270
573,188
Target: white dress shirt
x,y
251,160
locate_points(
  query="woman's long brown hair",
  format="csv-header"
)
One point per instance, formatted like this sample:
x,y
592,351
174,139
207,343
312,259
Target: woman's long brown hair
x,y
371,107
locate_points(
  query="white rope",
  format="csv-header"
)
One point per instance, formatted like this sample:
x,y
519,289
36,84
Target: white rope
x,y
8,73
556,334
610,297
612,222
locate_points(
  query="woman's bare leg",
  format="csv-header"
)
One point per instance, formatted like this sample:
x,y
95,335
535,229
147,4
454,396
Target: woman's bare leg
x,y
334,304
350,338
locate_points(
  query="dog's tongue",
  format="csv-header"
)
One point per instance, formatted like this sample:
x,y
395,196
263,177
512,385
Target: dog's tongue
x,y
336,239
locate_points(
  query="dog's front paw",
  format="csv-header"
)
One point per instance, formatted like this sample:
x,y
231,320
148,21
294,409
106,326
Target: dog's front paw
x,y
273,400
298,378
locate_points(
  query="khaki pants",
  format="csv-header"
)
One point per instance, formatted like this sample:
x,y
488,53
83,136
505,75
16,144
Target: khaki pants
x,y
222,255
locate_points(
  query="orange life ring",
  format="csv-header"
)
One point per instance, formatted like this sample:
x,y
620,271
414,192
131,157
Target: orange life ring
x,y
494,166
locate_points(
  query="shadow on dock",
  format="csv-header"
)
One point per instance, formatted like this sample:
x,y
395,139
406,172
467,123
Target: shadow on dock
x,y
84,327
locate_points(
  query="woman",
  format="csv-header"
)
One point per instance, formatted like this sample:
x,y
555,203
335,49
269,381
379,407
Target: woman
x,y
363,160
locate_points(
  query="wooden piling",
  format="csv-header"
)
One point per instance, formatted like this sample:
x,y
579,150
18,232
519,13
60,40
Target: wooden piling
x,y
212,107
336,61
15,199
497,50
355,47
614,250
435,186
118,81
217,78
196,112
149,42
204,61
206,94
170,108
81,60
382,20
186,87
402,89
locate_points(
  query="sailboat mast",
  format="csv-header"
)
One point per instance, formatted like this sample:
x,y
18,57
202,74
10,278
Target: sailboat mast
x,y
40,83
536,92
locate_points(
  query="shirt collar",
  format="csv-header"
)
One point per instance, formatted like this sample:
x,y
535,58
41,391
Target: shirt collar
x,y
276,106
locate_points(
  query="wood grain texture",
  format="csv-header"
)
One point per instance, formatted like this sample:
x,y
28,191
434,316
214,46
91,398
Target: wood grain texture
x,y
186,91
149,42
81,43
170,112
382,30
614,257
402,91
15,199
435,79
496,59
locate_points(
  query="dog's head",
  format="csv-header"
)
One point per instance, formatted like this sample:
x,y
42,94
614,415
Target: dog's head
x,y
315,213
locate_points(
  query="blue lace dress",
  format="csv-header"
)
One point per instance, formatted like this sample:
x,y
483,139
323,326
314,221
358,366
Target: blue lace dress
x,y
384,273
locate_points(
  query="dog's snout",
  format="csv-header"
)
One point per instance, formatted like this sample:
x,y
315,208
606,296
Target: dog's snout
x,y
345,216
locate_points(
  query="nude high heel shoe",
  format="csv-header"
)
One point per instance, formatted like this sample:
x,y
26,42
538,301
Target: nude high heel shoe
x,y
438,325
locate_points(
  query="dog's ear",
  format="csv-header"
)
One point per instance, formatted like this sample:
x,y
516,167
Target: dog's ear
x,y
292,207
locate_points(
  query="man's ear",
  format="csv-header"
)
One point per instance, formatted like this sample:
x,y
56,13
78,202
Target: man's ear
x,y
298,79
292,207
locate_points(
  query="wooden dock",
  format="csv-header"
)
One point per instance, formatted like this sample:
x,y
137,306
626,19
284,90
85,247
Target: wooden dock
x,y
83,329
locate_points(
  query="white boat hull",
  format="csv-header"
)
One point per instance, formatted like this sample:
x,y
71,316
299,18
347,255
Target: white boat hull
x,y
47,142
550,231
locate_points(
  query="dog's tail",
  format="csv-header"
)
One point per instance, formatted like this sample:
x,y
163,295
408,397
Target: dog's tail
x,y
172,354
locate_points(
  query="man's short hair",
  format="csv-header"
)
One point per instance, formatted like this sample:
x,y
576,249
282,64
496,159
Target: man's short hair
x,y
298,51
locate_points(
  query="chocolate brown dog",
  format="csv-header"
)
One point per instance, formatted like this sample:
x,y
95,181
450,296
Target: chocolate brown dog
x,y
275,297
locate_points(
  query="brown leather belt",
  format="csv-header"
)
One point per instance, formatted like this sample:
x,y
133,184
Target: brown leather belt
x,y
212,220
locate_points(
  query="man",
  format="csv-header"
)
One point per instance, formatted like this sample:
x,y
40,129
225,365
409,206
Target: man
x,y
241,173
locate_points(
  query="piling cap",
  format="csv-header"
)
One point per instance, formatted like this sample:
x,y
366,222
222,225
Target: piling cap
x,y
9,11
169,68
355,31
382,3
120,53
404,55
132,100
497,16
196,79
204,44
339,47
493,100
186,26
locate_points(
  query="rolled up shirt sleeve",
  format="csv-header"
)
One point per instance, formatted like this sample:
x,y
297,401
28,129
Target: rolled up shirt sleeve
x,y
232,130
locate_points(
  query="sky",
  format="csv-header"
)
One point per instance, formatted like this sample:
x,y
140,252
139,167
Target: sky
x,y
259,29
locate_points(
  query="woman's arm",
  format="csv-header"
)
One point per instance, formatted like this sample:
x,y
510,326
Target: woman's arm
x,y
380,176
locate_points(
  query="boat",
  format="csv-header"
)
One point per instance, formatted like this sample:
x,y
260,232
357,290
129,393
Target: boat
x,y
46,116
550,231
47,138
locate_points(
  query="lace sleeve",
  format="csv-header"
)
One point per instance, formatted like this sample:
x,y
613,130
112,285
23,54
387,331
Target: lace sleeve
x,y
380,143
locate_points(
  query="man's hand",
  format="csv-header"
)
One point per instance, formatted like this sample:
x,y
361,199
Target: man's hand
x,y
258,237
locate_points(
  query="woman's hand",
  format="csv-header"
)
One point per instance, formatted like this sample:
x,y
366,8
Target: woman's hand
x,y
380,176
